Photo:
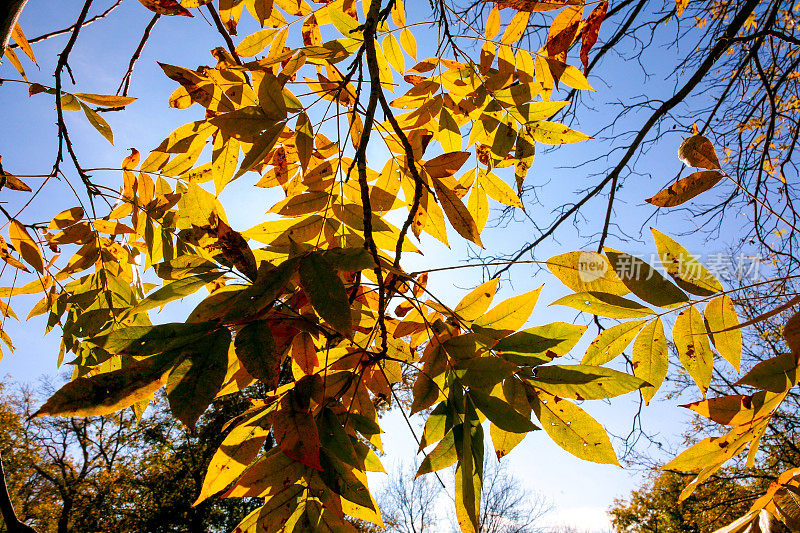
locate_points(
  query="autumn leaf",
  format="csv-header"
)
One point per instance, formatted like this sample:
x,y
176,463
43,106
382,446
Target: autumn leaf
x,y
686,188
166,7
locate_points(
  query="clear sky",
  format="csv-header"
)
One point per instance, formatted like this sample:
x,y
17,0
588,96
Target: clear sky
x,y
581,491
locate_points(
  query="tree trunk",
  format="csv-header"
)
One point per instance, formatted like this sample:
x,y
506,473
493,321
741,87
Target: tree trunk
x,y
63,519
10,11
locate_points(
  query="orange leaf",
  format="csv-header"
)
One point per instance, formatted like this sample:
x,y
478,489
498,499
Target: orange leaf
x,y
25,245
686,188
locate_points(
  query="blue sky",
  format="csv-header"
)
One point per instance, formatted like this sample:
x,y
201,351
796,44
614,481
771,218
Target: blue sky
x,y
580,490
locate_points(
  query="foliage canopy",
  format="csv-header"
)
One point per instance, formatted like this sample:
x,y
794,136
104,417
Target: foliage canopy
x,y
373,136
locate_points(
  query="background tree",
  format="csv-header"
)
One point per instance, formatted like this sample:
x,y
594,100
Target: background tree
x,y
112,474
415,505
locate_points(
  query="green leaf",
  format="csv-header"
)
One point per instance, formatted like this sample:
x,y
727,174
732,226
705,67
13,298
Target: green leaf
x,y
688,272
103,394
776,374
539,344
469,473
444,454
148,340
198,377
603,304
586,272
98,122
573,429
326,292
261,146
335,440
690,338
722,321
651,358
174,291
583,382
611,342
644,281
255,349
501,413
343,480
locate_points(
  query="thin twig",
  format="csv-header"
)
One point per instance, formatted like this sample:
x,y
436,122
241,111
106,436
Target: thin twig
x,y
124,85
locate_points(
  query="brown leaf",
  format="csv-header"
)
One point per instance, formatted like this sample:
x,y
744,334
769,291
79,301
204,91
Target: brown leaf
x,y
14,183
531,5
563,31
457,213
697,151
166,7
446,164
686,188
590,31
791,332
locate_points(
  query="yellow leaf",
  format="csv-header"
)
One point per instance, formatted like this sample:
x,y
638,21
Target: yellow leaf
x,y
22,41
99,123
25,245
575,79
651,358
475,304
555,133
255,43
611,342
508,316
694,351
111,227
516,27
720,314
106,100
573,429
586,272
492,24
391,49
449,133
478,206
498,189
409,43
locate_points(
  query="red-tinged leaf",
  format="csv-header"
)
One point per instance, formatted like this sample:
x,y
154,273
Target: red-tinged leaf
x,y
686,188
531,5
591,30
563,30
446,164
296,432
166,7
130,162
